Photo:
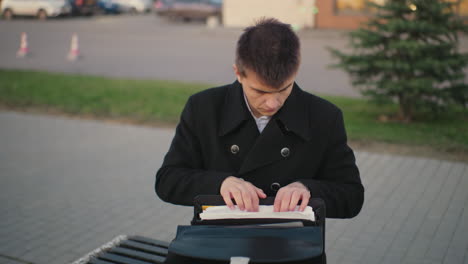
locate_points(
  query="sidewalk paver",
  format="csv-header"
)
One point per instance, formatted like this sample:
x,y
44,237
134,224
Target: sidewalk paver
x,y
68,186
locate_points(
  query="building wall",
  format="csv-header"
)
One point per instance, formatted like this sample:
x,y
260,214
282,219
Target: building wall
x,y
327,17
349,14
242,13
332,14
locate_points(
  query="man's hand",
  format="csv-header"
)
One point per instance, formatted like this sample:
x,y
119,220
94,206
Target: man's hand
x,y
287,197
243,192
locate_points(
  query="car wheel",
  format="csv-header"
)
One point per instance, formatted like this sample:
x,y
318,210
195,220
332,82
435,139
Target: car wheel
x,y
7,14
42,15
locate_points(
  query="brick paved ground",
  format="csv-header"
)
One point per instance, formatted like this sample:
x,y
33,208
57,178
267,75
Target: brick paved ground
x,y
69,186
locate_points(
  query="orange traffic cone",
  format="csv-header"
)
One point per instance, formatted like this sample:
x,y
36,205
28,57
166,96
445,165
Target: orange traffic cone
x,y
23,50
74,52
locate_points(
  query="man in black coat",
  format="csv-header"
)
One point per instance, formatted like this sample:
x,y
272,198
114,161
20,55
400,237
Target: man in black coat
x,y
262,136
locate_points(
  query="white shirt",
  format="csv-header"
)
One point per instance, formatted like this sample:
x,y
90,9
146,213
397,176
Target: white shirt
x,y
261,121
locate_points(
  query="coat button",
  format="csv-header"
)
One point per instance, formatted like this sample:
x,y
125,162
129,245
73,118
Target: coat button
x,y
275,186
234,149
285,152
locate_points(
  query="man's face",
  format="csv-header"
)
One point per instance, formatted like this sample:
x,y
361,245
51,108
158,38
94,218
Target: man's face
x,y
263,99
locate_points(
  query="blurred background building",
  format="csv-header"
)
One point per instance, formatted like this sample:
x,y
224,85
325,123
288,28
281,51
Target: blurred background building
x,y
335,14
320,14
348,14
242,13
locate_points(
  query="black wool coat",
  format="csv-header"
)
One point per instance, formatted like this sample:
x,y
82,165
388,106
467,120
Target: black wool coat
x,y
304,141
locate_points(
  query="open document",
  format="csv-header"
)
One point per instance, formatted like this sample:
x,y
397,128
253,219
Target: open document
x,y
265,211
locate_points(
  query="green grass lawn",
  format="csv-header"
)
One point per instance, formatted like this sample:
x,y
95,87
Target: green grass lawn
x,y
142,101
150,102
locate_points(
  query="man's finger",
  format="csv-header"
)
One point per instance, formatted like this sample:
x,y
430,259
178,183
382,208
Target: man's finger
x,y
254,197
246,197
286,200
278,199
228,200
237,194
260,193
305,201
296,195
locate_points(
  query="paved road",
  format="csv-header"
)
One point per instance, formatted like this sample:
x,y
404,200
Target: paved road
x,y
150,48
147,47
68,186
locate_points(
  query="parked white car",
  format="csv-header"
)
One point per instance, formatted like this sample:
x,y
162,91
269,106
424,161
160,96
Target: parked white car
x,y
135,6
42,9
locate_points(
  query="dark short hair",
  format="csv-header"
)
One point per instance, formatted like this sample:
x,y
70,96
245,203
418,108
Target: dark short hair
x,y
271,49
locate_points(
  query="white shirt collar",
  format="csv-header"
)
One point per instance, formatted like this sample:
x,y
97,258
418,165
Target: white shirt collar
x,y
261,121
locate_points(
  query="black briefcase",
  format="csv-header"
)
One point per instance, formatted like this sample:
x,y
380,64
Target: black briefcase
x,y
216,241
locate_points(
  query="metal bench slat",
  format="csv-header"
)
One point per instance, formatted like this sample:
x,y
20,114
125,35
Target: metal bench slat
x,y
120,259
144,247
97,261
150,241
138,255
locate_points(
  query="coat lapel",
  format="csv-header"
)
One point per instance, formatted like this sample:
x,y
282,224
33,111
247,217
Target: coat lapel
x,y
237,127
267,148
278,134
244,138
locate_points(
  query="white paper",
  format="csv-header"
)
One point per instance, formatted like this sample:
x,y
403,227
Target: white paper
x,y
240,260
265,211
